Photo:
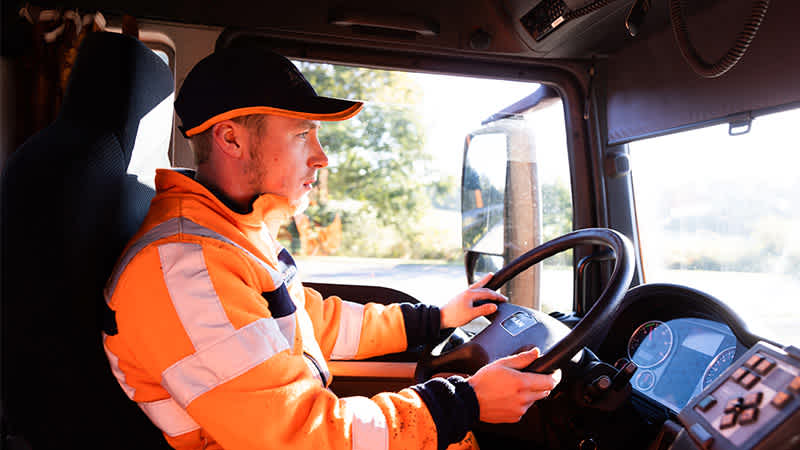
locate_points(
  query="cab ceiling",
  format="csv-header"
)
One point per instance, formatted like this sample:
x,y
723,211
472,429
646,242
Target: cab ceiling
x,y
649,89
464,27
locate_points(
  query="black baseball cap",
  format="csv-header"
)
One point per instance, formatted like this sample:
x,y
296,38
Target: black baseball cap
x,y
236,82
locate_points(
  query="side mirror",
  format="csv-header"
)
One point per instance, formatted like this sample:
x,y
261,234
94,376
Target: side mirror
x,y
483,192
500,204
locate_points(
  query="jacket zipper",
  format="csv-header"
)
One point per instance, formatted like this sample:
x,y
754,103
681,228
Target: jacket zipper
x,y
317,366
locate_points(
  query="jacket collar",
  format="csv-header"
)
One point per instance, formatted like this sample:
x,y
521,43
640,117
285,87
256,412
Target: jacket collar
x,y
267,209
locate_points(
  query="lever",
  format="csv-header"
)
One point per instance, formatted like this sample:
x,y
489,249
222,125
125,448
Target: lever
x,y
625,370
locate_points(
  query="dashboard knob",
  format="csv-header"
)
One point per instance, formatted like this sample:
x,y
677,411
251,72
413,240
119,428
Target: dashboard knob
x,y
598,387
587,444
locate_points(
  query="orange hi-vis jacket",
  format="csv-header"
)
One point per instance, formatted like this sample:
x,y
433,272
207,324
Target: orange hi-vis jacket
x,y
221,345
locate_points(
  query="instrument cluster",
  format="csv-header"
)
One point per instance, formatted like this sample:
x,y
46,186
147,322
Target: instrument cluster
x,y
677,359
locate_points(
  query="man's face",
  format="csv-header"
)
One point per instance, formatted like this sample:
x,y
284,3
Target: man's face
x,y
284,160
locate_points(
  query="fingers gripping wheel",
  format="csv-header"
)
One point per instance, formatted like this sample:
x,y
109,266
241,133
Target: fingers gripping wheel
x,y
515,328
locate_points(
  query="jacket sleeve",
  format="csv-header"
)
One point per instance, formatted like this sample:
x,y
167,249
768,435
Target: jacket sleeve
x,y
192,330
348,330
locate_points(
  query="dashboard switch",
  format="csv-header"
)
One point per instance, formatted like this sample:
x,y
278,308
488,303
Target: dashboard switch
x,y
707,403
753,361
727,421
781,399
765,366
750,380
795,385
733,405
752,400
739,373
748,416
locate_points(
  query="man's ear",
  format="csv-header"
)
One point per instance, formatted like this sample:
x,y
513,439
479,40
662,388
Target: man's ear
x,y
227,136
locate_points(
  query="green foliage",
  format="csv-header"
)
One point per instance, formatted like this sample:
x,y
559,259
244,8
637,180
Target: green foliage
x,y
556,209
557,217
376,161
770,247
732,227
444,193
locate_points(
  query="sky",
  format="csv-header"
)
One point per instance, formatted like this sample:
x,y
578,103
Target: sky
x,y
455,106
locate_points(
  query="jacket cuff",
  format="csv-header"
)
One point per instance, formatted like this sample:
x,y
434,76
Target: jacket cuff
x,y
422,324
453,406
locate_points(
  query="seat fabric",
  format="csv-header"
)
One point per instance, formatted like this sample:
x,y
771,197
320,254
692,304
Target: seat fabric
x,y
68,207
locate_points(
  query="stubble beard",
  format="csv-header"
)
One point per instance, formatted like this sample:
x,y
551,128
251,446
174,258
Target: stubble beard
x,y
255,174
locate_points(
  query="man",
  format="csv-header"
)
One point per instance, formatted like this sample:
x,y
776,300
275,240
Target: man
x,y
218,341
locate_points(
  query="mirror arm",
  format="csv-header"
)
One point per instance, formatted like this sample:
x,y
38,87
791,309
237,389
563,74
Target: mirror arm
x,y
470,259
581,286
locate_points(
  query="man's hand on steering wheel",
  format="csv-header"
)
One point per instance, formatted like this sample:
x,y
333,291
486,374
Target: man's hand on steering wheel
x,y
461,309
505,393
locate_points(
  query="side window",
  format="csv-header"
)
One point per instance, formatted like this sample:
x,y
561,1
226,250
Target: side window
x,y
154,138
387,209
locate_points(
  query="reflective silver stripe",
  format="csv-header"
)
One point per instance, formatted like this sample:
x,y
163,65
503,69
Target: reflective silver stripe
x,y
113,361
173,227
193,294
192,228
369,424
349,335
168,228
169,417
288,325
221,351
228,358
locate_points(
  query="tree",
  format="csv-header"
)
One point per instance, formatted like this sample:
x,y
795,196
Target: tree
x,y
375,158
557,209
557,217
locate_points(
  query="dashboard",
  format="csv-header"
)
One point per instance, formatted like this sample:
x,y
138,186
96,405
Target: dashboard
x,y
681,339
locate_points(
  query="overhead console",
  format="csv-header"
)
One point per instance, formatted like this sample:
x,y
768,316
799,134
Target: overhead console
x,y
566,28
753,405
549,14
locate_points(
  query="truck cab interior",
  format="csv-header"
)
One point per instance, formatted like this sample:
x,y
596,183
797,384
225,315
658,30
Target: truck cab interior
x,y
632,187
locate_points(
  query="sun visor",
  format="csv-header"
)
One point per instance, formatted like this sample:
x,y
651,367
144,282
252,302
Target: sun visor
x,y
652,90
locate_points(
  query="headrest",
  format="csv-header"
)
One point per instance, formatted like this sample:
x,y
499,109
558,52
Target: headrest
x,y
115,82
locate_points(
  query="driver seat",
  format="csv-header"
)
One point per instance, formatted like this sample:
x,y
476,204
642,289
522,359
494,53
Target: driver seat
x,y
69,205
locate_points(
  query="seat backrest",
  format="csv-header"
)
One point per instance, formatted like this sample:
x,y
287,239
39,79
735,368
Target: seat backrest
x,y
69,205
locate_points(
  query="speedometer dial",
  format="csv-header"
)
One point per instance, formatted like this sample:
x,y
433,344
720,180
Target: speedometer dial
x,y
650,344
718,365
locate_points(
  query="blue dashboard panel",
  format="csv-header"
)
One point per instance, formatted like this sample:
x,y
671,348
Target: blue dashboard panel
x,y
689,353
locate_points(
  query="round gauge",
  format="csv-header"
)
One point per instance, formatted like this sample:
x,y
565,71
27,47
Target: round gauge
x,y
718,365
650,344
645,380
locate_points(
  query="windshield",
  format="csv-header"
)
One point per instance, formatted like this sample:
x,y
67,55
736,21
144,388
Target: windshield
x,y
721,214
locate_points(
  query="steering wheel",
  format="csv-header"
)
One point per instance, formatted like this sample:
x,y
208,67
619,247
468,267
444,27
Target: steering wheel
x,y
514,328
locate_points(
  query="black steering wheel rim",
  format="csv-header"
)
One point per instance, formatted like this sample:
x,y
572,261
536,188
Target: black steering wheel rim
x,y
607,304
599,316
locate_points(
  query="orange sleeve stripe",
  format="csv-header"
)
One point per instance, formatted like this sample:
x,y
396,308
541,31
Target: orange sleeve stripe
x,y
239,112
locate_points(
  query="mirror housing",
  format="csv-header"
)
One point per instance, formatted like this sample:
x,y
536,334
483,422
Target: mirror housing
x,y
500,203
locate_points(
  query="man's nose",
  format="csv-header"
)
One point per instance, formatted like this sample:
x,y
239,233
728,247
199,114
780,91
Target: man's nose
x,y
318,158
